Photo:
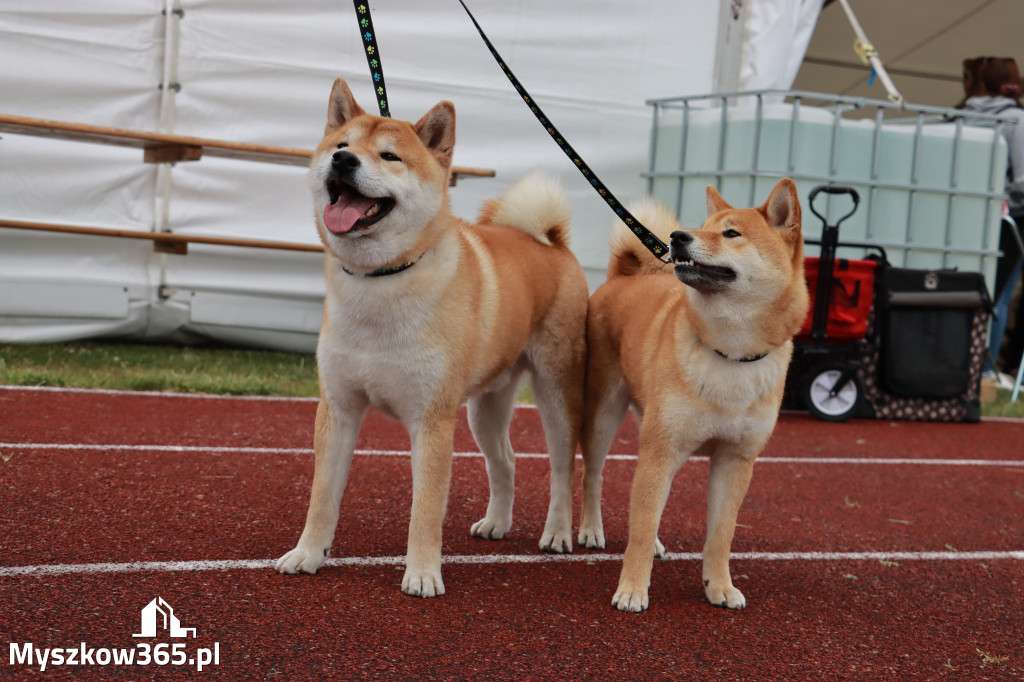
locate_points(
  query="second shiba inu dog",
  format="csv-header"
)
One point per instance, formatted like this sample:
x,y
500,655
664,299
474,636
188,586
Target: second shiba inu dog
x,y
700,347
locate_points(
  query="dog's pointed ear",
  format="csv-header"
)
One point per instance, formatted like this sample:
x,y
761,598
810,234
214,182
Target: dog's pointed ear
x,y
715,201
437,131
782,210
342,107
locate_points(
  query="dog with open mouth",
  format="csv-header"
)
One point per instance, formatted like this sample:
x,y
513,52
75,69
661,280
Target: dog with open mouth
x,y
425,311
700,348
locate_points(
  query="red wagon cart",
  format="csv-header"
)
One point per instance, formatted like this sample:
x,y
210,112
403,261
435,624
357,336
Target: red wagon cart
x,y
887,342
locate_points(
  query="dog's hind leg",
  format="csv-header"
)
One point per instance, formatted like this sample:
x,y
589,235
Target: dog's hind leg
x,y
489,417
607,400
558,389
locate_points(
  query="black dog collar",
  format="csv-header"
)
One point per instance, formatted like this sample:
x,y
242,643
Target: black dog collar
x,y
748,358
383,272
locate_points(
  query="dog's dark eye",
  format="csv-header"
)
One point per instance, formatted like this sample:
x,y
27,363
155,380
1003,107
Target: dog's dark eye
x,y
388,156
342,145
729,234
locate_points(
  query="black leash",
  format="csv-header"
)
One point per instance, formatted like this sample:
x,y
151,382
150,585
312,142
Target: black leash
x,y
369,37
646,237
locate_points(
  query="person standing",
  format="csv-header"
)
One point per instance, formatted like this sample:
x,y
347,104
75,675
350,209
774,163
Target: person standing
x,y
992,85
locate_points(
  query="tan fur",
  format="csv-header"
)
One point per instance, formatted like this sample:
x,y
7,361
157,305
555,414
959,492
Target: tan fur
x,y
652,343
481,306
628,254
535,205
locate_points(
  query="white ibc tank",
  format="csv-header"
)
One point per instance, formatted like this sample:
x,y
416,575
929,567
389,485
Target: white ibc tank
x,y
931,191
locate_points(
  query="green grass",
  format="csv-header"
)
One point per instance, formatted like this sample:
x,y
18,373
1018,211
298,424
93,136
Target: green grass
x,y
145,367
141,367
1002,407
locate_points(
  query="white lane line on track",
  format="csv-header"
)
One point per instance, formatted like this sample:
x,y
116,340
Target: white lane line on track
x,y
263,564
187,449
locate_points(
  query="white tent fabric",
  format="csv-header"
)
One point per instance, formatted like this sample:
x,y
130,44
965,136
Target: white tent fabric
x,y
261,73
777,35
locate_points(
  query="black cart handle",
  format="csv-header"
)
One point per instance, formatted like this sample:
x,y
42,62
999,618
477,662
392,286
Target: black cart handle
x,y
833,189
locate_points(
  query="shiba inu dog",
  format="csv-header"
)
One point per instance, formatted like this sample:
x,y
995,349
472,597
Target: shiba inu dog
x,y
423,311
700,347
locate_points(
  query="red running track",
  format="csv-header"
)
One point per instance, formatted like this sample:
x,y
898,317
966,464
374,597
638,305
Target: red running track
x,y
866,550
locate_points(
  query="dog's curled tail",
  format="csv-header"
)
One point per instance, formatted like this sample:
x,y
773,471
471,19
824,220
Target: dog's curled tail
x,y
628,255
535,204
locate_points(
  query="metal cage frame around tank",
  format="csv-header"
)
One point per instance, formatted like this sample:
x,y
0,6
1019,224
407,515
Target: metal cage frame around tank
x,y
882,113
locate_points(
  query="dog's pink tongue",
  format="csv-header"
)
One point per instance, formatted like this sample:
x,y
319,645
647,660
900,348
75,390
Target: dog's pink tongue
x,y
341,217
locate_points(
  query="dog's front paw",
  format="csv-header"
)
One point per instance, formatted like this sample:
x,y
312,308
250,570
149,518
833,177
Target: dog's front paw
x,y
556,541
659,549
489,528
302,560
420,583
630,599
591,538
724,595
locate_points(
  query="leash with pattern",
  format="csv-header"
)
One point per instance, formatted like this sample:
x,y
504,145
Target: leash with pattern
x,y
369,37
646,237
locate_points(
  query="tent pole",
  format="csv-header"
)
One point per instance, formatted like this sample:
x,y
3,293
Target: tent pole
x,y
869,55
165,124
168,89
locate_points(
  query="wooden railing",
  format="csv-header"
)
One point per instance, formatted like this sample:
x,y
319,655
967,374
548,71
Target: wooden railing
x,y
166,148
163,242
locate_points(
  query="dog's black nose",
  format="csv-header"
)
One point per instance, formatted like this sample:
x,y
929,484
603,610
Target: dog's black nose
x,y
344,162
680,237
679,242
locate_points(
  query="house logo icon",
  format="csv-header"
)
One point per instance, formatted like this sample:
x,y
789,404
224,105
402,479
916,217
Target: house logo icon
x,y
150,620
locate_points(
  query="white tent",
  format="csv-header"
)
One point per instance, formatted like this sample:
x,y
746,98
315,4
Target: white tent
x,y
260,73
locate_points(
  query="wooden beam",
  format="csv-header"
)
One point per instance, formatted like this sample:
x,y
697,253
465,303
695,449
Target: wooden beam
x,y
122,137
166,242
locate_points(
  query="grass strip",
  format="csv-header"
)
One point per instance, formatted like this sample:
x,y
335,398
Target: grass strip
x,y
217,370
150,367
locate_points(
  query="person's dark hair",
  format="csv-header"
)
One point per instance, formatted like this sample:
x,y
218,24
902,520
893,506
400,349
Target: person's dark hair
x,y
992,76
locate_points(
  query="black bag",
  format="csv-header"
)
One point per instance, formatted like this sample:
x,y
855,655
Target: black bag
x,y
928,317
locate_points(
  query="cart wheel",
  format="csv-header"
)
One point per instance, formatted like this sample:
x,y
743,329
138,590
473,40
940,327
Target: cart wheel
x,y
833,393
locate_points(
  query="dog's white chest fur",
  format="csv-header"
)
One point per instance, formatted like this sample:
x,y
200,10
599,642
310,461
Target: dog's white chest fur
x,y
736,385
373,342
